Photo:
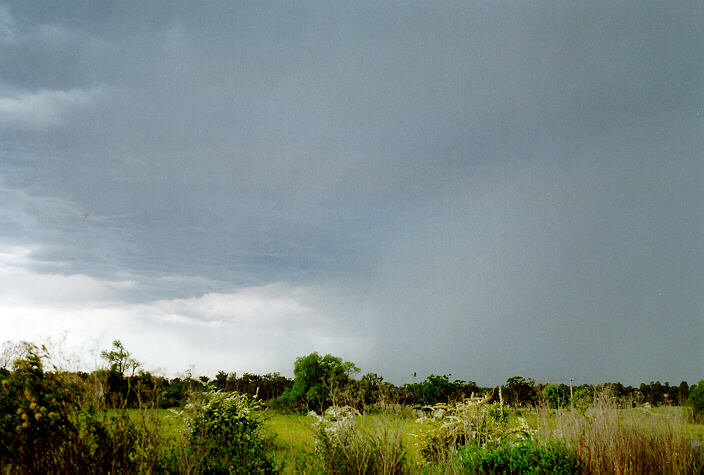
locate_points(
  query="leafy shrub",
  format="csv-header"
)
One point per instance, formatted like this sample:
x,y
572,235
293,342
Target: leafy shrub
x,y
582,399
226,434
43,428
524,457
470,422
696,400
556,396
343,445
114,444
36,423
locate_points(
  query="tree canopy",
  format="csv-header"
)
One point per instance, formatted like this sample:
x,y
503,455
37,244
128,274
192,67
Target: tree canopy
x,y
317,381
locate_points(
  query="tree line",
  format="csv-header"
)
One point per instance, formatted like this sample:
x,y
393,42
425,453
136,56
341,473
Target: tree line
x,y
323,381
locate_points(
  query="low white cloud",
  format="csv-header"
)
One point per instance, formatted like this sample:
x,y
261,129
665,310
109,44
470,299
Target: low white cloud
x,y
42,109
20,285
257,329
248,305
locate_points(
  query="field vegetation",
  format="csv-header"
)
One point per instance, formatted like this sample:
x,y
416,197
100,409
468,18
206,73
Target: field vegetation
x,y
121,419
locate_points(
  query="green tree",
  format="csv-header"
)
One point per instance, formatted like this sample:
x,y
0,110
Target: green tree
x,y
371,388
120,359
520,391
556,395
221,380
318,380
174,393
683,392
119,386
696,400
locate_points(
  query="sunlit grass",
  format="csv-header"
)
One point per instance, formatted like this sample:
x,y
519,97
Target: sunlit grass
x,y
293,439
292,432
294,436
169,422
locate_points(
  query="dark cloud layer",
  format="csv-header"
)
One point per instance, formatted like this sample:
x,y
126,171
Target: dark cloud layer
x,y
501,188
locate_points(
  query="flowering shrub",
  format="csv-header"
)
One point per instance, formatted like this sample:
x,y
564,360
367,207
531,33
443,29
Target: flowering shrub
x,y
43,429
470,422
36,426
226,434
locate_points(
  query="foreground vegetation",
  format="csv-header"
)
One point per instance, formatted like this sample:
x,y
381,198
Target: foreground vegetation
x,y
114,420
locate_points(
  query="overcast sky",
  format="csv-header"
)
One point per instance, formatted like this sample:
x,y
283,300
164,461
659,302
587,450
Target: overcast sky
x,y
480,188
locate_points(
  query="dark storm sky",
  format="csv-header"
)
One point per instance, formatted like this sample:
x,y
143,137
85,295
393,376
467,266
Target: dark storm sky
x,y
478,188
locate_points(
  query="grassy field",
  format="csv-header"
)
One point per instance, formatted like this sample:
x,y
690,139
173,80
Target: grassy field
x,y
293,435
294,432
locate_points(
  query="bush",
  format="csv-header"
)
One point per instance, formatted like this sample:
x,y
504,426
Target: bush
x,y
556,396
696,400
226,434
36,415
582,399
471,422
114,444
43,428
524,457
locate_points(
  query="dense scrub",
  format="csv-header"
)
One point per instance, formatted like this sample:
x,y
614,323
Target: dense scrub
x,y
524,457
57,421
43,428
226,434
47,424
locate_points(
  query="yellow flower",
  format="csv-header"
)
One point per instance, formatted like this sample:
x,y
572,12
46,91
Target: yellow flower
x,y
5,382
19,410
25,424
37,416
33,406
25,416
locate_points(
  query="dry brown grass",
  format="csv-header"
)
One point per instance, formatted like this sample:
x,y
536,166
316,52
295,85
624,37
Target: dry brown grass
x,y
609,439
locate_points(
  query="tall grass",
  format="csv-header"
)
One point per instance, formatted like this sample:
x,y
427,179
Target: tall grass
x,y
346,443
609,439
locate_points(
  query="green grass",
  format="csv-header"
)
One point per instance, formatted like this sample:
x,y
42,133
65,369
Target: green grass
x,y
693,431
294,442
168,420
292,433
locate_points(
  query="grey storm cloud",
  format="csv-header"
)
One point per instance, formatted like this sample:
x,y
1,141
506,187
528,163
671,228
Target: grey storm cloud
x,y
482,188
